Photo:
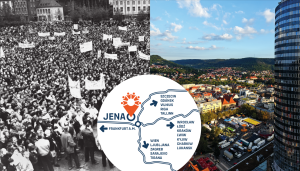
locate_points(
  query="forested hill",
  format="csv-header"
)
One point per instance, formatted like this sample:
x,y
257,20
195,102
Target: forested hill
x,y
248,63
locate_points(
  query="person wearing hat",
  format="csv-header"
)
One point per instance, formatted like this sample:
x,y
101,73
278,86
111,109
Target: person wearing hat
x,y
68,145
33,156
43,149
53,147
89,142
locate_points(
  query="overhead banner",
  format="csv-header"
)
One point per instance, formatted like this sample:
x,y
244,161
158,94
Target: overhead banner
x,y
141,38
44,34
26,45
85,31
94,85
74,32
143,56
85,47
75,26
2,55
99,54
117,41
123,28
111,56
132,48
105,36
59,34
74,88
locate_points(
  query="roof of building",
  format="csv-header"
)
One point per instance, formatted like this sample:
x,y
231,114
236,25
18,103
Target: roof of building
x,y
48,3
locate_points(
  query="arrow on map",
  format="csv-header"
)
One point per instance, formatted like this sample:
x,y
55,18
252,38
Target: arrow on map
x,y
171,125
145,145
153,103
103,128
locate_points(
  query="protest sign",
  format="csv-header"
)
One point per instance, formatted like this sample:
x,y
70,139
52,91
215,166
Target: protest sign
x,y
132,48
141,38
59,34
111,56
85,47
123,28
44,34
143,56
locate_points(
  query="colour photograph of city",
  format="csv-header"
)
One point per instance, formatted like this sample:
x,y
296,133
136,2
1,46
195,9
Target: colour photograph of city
x,y
239,61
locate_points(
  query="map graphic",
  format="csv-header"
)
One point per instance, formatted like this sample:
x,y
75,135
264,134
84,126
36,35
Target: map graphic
x,y
149,126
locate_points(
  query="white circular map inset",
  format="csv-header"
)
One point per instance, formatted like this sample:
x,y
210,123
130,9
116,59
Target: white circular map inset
x,y
149,123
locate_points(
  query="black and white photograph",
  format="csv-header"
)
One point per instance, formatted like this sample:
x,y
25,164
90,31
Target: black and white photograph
x,y
59,60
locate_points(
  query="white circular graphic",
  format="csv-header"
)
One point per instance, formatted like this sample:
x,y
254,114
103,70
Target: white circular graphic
x,y
149,123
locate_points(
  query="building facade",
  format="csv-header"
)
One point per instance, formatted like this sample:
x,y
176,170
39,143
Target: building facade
x,y
210,106
49,10
287,92
20,7
131,7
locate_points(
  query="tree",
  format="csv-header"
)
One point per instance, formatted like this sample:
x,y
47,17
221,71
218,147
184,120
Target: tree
x,y
217,152
202,146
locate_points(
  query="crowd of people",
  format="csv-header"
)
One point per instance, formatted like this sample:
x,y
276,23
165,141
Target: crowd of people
x,y
41,123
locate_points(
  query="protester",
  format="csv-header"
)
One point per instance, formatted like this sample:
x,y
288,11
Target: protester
x,y
35,97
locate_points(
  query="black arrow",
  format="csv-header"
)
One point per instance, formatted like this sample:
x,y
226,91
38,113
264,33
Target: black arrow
x,y
171,125
145,145
103,128
153,103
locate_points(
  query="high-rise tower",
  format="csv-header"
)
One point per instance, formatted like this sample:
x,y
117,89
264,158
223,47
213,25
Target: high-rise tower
x,y
287,89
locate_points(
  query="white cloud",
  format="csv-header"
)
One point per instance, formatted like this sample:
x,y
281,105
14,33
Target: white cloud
x,y
202,48
176,28
193,28
227,14
167,36
263,31
225,22
239,12
173,46
217,18
269,16
211,25
246,31
248,22
155,31
214,7
155,19
158,44
194,7
176,19
217,37
167,14
189,42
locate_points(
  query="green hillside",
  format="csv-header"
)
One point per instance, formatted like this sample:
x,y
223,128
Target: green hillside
x,y
173,67
249,63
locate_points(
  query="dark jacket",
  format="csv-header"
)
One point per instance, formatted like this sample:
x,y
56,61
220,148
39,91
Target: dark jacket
x,y
88,138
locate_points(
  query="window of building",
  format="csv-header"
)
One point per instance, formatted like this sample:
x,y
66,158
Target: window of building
x,y
116,2
48,10
133,8
139,8
133,2
128,2
121,9
144,8
121,2
144,2
139,2
128,8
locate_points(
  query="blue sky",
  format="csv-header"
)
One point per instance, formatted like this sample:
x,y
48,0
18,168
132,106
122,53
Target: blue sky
x,y
208,29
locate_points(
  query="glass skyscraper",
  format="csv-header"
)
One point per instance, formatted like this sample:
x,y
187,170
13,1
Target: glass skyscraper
x,y
287,78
